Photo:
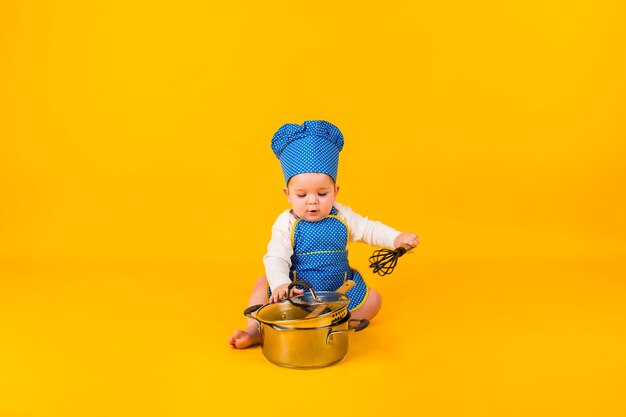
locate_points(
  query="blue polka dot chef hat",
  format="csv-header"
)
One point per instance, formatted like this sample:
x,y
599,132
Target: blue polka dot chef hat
x,y
313,146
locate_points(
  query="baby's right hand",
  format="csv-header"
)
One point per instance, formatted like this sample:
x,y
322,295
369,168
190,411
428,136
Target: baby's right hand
x,y
280,293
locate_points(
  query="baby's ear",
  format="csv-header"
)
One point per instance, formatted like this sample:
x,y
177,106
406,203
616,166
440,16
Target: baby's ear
x,y
286,191
336,189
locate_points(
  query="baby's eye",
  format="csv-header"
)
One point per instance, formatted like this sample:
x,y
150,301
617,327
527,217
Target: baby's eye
x,y
300,195
322,194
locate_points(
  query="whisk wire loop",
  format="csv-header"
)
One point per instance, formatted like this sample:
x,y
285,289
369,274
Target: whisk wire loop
x,y
383,261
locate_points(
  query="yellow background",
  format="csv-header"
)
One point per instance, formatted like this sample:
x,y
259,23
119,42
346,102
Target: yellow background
x,y
137,189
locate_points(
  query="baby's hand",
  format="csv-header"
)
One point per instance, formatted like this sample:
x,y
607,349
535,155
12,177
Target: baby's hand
x,y
281,292
406,239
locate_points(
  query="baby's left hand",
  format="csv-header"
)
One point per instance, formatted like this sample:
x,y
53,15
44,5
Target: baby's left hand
x,y
406,239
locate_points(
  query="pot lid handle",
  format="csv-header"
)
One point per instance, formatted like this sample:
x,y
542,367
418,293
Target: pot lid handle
x,y
303,284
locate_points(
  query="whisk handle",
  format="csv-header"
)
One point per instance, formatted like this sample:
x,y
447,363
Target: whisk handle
x,y
401,250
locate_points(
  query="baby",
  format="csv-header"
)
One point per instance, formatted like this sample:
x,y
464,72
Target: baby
x,y
309,241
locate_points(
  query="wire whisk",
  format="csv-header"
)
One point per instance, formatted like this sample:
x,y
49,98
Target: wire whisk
x,y
383,261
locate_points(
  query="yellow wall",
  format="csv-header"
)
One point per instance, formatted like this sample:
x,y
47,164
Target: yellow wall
x,y
137,133
128,129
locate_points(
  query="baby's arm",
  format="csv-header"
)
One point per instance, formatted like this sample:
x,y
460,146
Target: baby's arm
x,y
277,260
374,232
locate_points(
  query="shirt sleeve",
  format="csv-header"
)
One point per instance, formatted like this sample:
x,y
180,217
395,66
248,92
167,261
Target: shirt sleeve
x,y
277,259
364,230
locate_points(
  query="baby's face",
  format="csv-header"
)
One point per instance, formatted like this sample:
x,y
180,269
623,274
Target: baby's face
x,y
311,195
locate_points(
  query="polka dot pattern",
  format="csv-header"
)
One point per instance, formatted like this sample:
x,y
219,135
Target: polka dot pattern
x,y
313,146
358,293
321,258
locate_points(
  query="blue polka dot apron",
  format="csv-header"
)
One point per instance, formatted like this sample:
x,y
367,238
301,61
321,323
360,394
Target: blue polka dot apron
x,y
320,257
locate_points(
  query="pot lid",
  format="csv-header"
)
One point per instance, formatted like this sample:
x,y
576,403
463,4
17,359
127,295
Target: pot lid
x,y
288,311
310,305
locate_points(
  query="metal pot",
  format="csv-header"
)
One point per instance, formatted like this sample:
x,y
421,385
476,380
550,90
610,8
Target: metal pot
x,y
307,347
306,331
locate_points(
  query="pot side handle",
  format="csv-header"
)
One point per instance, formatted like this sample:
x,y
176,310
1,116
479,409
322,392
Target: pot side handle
x,y
363,323
248,311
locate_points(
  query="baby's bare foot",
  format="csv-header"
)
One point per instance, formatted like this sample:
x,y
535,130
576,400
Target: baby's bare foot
x,y
242,339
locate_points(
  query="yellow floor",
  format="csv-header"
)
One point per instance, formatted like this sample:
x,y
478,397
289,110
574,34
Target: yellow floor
x,y
453,339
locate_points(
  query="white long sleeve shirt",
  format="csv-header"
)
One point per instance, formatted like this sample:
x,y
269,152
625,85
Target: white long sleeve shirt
x,y
277,260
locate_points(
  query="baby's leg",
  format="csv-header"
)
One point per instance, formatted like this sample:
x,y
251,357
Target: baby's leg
x,y
370,308
242,339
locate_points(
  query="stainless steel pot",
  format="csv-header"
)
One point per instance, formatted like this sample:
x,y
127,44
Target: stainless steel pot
x,y
309,330
306,347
